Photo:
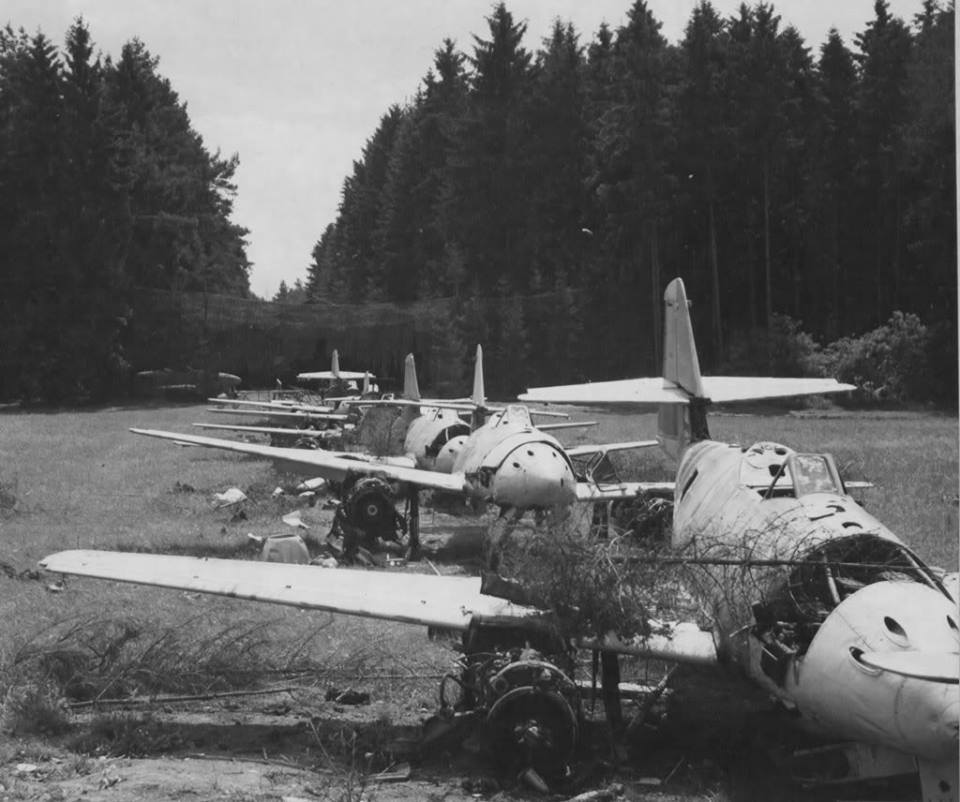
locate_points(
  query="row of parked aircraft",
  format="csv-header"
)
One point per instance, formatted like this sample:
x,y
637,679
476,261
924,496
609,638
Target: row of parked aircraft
x,y
809,596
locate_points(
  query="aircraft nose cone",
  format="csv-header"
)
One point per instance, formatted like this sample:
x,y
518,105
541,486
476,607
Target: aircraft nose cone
x,y
534,476
883,669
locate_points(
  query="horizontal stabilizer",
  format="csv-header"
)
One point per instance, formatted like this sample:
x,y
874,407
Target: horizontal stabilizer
x,y
326,375
623,391
718,389
932,666
723,389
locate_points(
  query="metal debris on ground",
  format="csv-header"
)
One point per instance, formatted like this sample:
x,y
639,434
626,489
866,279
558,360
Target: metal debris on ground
x,y
285,549
393,774
348,697
227,498
293,519
615,791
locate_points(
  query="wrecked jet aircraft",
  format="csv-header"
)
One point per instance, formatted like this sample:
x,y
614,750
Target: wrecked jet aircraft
x,y
507,462
189,383
335,381
811,597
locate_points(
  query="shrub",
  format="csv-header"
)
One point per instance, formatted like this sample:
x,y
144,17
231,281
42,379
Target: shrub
x,y
888,364
34,708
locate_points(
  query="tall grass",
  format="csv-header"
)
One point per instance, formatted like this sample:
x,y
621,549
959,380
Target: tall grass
x,y
83,481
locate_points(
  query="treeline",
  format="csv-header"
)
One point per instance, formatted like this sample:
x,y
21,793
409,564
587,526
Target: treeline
x,y
104,187
775,181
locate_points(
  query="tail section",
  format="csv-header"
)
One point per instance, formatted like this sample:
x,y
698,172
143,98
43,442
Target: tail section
x,y
681,367
335,364
411,388
683,394
680,363
479,396
365,391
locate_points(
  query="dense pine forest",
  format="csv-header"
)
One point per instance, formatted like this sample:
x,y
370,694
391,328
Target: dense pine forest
x,y
104,188
804,198
543,197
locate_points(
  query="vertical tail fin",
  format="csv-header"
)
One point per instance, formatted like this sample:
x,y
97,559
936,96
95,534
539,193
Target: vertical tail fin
x,y
365,391
680,363
479,396
335,364
411,389
681,367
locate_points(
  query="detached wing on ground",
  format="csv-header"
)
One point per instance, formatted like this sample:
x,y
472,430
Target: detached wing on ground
x,y
451,602
335,467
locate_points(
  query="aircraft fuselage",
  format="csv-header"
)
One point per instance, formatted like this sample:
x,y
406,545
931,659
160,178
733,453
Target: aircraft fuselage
x,y
829,611
509,462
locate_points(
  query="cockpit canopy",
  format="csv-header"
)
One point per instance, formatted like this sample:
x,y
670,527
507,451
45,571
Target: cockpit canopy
x,y
515,415
776,471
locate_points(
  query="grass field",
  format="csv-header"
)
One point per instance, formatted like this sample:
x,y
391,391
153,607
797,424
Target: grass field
x,y
80,480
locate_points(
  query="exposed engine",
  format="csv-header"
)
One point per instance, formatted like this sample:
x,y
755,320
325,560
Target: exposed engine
x,y
526,706
367,511
789,619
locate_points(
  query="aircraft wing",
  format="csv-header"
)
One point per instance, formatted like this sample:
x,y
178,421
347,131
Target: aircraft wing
x,y
324,463
407,402
276,406
439,601
279,430
719,389
282,413
449,602
603,448
576,424
601,491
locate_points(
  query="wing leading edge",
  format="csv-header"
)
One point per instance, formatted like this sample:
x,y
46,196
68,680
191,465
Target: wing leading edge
x,y
439,601
322,463
450,602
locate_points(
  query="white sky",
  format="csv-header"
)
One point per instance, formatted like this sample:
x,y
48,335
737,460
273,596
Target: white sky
x,y
297,86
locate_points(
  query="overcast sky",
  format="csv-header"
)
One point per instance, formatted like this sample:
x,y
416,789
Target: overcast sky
x,y
296,87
